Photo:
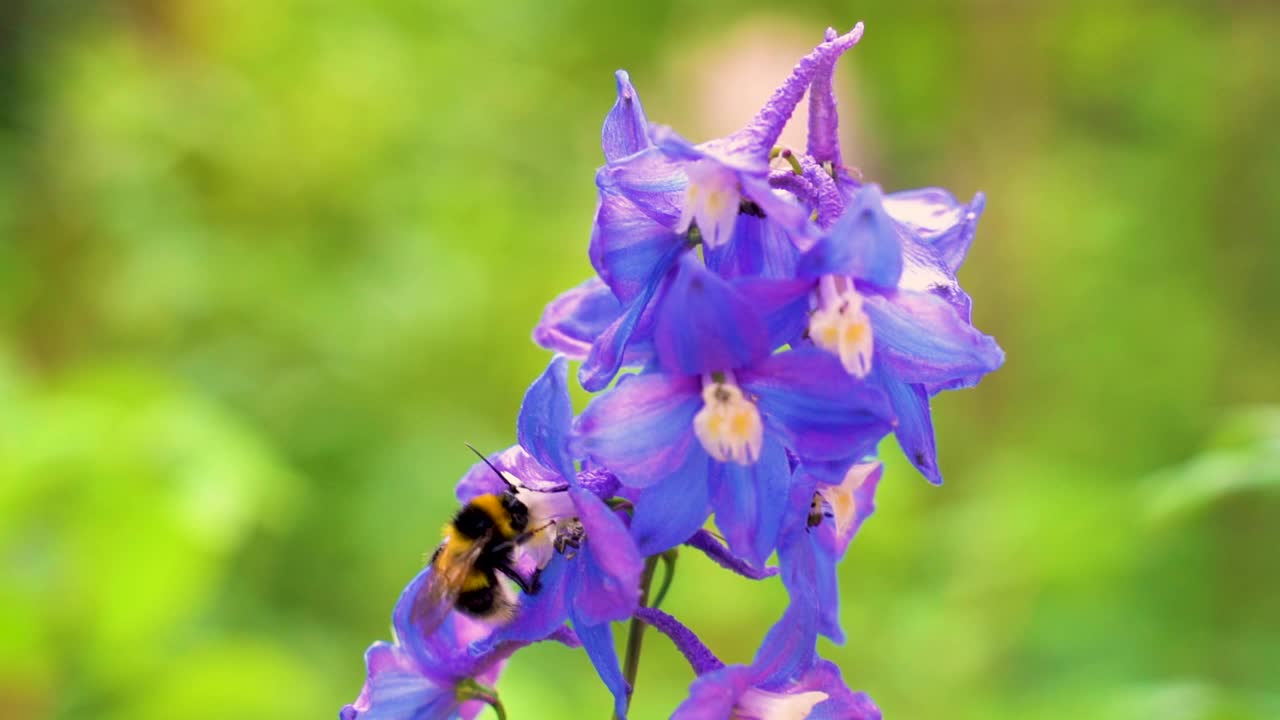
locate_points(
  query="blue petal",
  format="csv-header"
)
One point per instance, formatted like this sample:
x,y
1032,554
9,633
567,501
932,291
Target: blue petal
x,y
789,648
649,179
545,416
939,220
397,689
573,321
626,130
809,564
915,424
608,578
671,511
628,247
781,209
758,248
540,614
750,501
705,325
597,640
713,695
642,429
921,338
784,305
614,346
841,703
864,244
822,413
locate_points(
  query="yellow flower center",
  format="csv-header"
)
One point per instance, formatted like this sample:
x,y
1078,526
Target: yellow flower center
x,y
729,425
840,326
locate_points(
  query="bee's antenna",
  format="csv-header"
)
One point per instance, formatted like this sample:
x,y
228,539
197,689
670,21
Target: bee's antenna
x,y
510,486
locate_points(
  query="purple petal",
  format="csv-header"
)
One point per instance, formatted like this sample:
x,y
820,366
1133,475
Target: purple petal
x,y
629,248
539,615
784,305
545,416
758,248
597,640
750,501
763,130
713,695
642,429
808,565
842,703
669,512
780,209
609,576
573,321
481,479
789,648
822,413
620,341
626,130
864,244
914,430
824,120
923,340
705,325
396,688
441,651
935,216
720,555
651,180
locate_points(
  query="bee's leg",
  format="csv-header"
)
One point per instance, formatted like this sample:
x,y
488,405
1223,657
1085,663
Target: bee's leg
x,y
530,588
535,582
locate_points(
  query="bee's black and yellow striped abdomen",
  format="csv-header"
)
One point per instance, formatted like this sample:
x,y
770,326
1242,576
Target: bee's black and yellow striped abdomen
x,y
497,521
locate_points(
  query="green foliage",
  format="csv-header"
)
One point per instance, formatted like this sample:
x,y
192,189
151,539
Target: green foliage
x,y
265,266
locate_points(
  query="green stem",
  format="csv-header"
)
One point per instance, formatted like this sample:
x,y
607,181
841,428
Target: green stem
x,y
469,689
669,572
635,632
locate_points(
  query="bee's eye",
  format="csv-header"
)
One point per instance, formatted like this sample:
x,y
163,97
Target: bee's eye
x,y
519,513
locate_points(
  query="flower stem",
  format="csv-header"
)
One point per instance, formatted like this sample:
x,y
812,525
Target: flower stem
x,y
635,632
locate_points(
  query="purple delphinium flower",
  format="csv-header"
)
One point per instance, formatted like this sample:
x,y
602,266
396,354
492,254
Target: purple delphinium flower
x,y
589,567
821,521
421,676
886,287
656,187
786,681
711,424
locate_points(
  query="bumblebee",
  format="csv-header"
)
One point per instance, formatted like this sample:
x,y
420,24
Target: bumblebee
x,y
479,544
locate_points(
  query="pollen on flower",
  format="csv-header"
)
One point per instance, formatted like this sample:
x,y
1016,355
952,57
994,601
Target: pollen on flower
x,y
729,425
757,704
840,326
711,201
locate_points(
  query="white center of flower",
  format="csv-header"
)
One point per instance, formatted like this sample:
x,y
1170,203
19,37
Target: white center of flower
x,y
711,200
728,425
840,326
547,511
757,704
843,497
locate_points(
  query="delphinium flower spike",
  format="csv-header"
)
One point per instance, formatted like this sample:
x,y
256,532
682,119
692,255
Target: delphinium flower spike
x,y
777,316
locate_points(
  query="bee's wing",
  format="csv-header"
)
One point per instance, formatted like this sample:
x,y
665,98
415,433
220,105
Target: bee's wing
x,y
436,597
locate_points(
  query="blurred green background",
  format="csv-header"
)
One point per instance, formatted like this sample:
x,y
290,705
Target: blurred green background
x,y
265,266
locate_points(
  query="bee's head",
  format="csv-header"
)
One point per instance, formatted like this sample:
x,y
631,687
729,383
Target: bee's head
x,y
517,510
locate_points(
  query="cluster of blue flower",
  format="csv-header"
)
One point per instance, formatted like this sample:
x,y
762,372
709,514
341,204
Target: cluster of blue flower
x,y
783,316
